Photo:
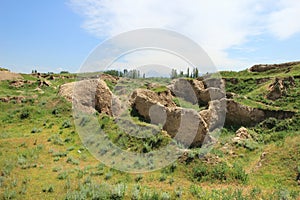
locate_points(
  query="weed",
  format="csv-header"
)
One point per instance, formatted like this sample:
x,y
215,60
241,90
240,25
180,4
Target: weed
x,y
162,177
72,161
49,189
118,191
66,124
36,130
9,194
165,196
24,114
138,178
108,176
57,169
62,175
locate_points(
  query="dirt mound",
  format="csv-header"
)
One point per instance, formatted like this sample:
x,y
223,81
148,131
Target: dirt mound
x,y
241,134
242,115
143,101
196,91
185,125
266,67
279,88
20,83
214,116
17,99
107,77
88,96
9,76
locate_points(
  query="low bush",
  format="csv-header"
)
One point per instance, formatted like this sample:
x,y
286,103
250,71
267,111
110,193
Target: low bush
x,y
220,172
24,114
72,161
62,175
66,124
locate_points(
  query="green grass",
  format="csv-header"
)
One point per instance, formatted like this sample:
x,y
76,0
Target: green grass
x,y
180,102
295,71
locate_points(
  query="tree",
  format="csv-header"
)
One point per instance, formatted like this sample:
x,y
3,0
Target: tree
x,y
125,72
188,72
196,73
174,74
181,74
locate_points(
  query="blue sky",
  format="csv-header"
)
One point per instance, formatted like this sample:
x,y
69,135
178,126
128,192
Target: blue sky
x,y
42,34
55,35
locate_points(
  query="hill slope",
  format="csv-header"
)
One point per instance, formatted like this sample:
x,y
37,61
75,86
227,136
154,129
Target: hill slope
x,y
42,156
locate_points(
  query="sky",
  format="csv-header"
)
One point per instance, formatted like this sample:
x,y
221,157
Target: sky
x,y
56,35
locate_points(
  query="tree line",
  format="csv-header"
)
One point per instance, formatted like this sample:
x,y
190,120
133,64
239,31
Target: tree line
x,y
134,73
194,73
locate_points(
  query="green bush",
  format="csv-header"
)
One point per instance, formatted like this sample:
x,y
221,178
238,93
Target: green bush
x,y
118,191
62,175
24,114
138,178
108,176
165,196
200,171
238,173
269,123
220,172
72,161
36,130
66,124
150,195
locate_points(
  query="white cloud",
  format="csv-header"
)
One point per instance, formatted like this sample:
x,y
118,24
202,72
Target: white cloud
x,y
215,25
284,22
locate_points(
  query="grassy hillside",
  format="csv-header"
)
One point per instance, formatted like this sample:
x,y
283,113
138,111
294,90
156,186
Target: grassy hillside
x,y
42,156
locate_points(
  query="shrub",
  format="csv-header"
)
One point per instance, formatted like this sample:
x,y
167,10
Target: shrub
x,y
8,167
250,145
24,114
49,189
2,179
87,180
269,123
80,174
162,178
36,130
138,178
66,124
56,159
150,195
173,167
108,176
119,191
165,196
70,148
9,194
72,161
238,173
56,169
97,173
220,171
178,192
135,193
55,111
62,175
60,154
171,181
200,172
